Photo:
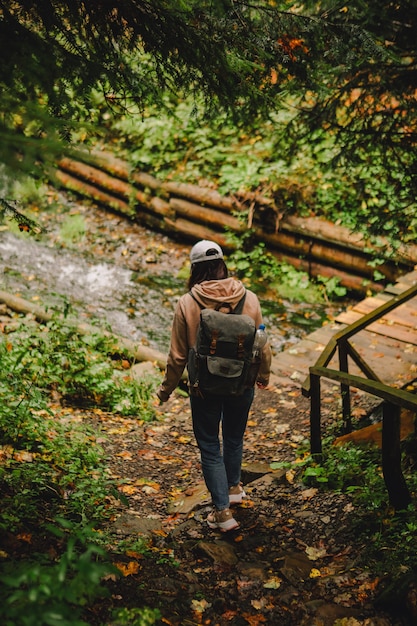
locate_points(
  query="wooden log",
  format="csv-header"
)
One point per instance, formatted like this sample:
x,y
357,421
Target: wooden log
x,y
314,269
202,196
160,206
119,188
95,176
154,205
307,226
92,192
192,232
325,230
316,250
136,350
120,169
205,215
344,256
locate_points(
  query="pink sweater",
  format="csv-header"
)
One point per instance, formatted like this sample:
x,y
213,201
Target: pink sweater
x,y
186,320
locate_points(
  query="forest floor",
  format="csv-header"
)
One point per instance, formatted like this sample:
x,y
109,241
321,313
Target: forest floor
x,y
295,560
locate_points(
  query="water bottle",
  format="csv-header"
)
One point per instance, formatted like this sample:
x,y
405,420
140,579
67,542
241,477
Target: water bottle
x,y
259,342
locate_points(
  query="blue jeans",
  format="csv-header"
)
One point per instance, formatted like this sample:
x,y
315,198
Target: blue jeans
x,y
221,461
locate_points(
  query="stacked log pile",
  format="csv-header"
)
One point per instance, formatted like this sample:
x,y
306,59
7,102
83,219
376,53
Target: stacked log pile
x,y
190,212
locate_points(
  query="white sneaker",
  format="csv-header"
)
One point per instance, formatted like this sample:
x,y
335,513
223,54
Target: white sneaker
x,y
236,494
223,520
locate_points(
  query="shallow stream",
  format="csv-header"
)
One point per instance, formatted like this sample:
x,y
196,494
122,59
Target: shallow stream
x,y
137,305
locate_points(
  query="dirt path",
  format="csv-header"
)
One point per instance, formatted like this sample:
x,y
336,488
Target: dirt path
x,y
293,561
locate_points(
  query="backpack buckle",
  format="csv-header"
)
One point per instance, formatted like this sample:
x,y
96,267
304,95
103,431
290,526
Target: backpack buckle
x,y
213,342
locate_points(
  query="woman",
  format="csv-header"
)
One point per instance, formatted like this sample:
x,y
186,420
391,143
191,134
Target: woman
x,y
210,286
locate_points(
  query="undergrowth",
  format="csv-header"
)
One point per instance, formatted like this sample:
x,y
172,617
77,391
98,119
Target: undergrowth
x,y
261,270
54,484
388,536
173,144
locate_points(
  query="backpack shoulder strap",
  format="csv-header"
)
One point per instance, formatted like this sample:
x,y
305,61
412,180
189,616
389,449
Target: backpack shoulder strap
x,y
239,307
195,299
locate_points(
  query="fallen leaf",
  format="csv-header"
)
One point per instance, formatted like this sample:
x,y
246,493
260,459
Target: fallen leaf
x,y
290,475
315,553
128,489
254,620
127,569
200,605
228,615
307,494
125,454
260,605
273,583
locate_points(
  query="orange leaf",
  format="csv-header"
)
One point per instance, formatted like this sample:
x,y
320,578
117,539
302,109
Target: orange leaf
x,y
128,489
254,620
229,614
125,454
127,569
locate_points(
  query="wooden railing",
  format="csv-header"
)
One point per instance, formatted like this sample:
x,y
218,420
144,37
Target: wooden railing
x,y
393,398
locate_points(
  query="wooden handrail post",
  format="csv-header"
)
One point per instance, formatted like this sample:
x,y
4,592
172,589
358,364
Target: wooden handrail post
x,y
399,496
345,389
315,415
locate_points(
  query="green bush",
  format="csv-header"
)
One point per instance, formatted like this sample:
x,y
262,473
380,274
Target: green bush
x,y
54,592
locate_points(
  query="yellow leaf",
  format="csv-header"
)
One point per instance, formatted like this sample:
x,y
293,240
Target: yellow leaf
x,y
149,489
128,489
273,583
315,553
200,605
184,439
290,476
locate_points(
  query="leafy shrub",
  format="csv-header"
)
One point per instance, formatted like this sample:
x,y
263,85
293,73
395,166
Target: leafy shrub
x,y
50,462
175,144
54,592
262,271
79,367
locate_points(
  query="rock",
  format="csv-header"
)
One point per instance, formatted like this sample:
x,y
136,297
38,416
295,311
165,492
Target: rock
x,y
297,566
254,571
330,614
190,499
130,524
220,552
140,370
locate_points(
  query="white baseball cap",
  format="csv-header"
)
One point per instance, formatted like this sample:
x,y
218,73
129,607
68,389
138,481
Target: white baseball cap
x,y
205,251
